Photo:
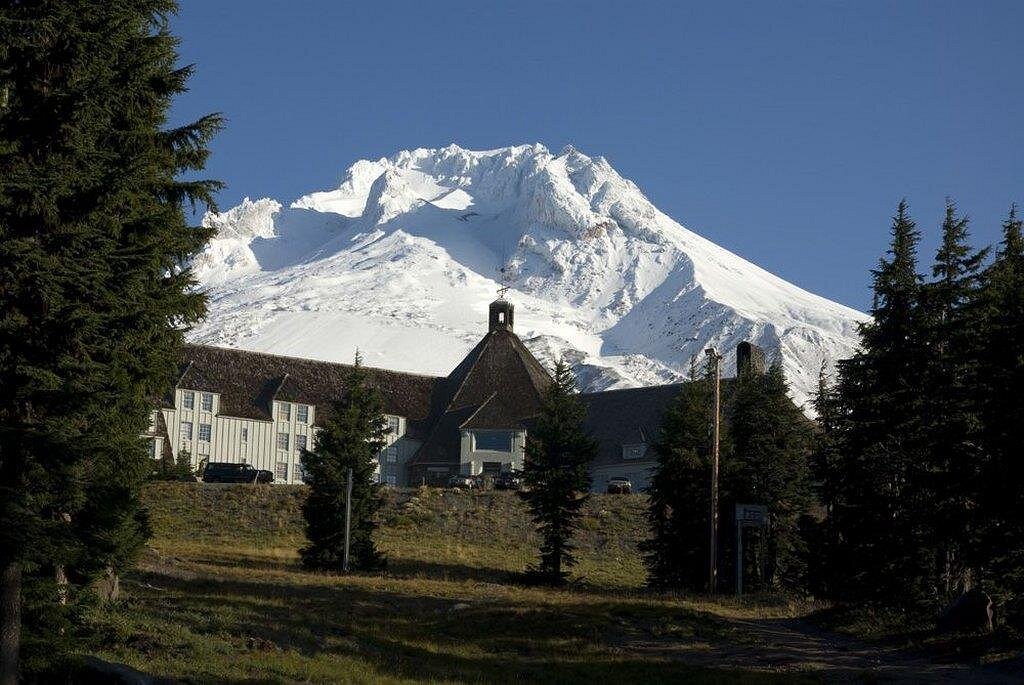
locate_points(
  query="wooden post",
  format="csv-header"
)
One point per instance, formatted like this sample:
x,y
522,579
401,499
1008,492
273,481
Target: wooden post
x,y
714,358
739,555
348,519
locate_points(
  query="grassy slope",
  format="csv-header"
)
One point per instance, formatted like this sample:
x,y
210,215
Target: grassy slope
x,y
219,597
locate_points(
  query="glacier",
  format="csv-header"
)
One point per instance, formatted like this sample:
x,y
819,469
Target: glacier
x,y
401,259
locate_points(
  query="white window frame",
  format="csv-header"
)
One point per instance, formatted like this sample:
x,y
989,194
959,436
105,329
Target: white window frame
x,y
184,432
206,401
301,442
284,411
283,441
188,399
208,430
278,468
302,413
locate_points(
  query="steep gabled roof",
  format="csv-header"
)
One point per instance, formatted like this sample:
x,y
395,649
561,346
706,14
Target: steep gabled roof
x,y
249,382
499,384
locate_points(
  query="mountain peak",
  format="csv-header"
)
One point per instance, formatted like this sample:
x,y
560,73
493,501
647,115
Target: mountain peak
x,y
602,276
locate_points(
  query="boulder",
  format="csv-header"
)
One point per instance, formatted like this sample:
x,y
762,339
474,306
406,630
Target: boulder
x,y
968,612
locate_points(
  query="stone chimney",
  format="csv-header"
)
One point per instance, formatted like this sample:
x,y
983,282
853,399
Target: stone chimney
x,y
749,357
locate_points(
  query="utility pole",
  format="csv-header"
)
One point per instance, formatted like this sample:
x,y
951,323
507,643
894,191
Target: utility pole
x,y
714,359
348,519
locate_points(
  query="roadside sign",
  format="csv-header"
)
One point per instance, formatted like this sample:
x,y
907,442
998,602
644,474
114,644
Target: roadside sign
x,y
747,516
752,515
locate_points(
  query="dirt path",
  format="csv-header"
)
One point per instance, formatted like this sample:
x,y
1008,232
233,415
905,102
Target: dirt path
x,y
792,645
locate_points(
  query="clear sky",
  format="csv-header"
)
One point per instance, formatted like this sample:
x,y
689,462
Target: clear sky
x,y
786,132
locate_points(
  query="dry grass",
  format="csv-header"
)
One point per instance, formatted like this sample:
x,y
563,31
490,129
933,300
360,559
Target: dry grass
x,y
219,597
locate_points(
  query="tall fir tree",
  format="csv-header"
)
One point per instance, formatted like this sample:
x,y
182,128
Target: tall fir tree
x,y
676,554
827,475
352,438
94,295
770,465
880,395
952,454
1002,408
556,475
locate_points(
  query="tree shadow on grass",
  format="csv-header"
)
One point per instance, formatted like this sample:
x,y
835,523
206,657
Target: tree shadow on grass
x,y
403,632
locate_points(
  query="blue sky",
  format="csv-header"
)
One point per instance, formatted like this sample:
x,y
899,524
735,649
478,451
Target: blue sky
x,y
786,132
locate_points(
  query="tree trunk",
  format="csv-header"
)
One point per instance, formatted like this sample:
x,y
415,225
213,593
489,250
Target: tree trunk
x,y
10,623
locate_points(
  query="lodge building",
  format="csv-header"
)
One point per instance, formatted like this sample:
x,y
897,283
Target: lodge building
x,y
262,409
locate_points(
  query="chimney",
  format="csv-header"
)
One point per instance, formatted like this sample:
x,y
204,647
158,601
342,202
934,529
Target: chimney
x,y
749,357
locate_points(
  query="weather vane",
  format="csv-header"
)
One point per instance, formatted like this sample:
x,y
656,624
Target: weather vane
x,y
504,288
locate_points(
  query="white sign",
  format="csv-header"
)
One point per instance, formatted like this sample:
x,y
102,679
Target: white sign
x,y
753,515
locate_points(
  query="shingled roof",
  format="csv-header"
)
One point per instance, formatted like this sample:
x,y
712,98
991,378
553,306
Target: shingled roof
x,y
249,382
499,384
631,416
624,417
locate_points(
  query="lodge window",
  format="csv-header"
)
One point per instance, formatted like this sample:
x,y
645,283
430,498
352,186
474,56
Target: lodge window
x,y
207,401
282,441
205,431
394,424
284,411
281,470
152,449
392,479
186,430
302,413
492,441
392,453
188,400
300,443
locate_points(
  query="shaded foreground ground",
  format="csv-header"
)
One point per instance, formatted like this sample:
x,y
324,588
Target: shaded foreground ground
x,y
219,597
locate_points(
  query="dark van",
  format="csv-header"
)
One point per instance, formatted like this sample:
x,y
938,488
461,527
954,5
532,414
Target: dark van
x,y
224,472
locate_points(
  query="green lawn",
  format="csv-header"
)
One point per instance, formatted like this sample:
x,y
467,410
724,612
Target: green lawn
x,y
219,597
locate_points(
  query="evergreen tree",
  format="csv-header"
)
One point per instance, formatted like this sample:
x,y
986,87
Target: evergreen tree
x,y
880,396
676,555
94,295
827,474
952,453
770,465
352,438
1002,407
556,476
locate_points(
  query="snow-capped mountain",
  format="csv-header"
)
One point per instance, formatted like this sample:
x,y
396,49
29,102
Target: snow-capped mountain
x,y
403,257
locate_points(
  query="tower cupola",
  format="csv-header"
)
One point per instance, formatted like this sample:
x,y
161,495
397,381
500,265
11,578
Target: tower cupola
x,y
502,313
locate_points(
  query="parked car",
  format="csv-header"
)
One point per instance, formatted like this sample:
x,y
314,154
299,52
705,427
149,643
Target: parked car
x,y
619,486
224,472
508,481
462,482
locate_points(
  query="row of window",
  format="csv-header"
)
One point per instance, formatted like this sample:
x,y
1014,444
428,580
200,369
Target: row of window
x,y
284,409
188,400
284,412
206,434
284,438
205,431
281,471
